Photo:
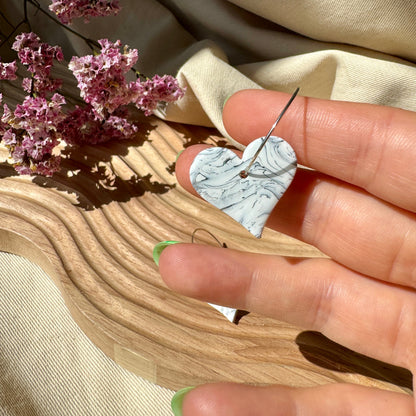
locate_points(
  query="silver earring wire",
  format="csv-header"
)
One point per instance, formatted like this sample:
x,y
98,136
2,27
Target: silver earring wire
x,y
244,173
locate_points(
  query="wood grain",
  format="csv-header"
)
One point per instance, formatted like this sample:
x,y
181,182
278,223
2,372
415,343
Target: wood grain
x,y
92,228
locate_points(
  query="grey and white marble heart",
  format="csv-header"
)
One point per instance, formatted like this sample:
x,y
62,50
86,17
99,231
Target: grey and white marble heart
x,y
215,175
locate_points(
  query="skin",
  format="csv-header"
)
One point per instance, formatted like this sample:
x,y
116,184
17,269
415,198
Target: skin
x,y
358,206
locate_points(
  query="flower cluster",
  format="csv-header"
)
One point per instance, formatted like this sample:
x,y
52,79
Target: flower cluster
x,y
101,78
38,57
8,70
151,92
31,135
30,131
67,10
103,85
81,126
33,131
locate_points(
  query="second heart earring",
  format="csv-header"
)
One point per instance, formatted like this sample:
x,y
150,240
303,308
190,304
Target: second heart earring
x,y
246,189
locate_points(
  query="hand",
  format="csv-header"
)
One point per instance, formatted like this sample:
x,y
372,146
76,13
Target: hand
x,y
357,206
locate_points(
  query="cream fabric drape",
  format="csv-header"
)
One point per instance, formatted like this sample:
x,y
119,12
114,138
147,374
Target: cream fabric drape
x,y
351,51
337,49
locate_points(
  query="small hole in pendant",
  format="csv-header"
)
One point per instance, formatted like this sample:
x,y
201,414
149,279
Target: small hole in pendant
x,y
243,174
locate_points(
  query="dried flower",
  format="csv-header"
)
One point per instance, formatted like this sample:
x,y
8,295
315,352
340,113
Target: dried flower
x,y
36,127
8,70
82,126
38,57
158,89
31,135
67,10
101,78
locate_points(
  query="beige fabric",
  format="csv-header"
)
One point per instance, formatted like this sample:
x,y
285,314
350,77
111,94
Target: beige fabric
x,y
339,49
278,59
48,366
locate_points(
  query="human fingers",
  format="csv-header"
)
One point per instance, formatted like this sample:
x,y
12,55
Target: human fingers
x,y
226,399
358,312
346,223
370,146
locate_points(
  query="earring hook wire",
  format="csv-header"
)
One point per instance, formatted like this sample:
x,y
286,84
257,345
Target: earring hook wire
x,y
244,173
223,245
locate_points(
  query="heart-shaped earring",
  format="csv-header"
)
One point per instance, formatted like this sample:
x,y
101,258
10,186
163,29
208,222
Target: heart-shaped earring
x,y
246,189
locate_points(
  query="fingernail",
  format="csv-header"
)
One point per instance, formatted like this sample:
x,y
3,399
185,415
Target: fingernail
x,y
177,156
159,247
177,400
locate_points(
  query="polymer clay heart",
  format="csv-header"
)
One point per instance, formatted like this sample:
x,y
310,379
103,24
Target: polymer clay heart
x,y
215,175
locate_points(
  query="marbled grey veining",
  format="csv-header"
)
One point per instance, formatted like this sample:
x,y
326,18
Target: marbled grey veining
x,y
215,175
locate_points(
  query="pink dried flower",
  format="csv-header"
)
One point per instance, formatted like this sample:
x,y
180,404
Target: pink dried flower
x,y
33,130
9,138
18,154
26,40
38,57
23,169
158,89
46,167
67,10
3,125
101,80
7,118
38,113
30,134
8,70
82,126
40,85
101,77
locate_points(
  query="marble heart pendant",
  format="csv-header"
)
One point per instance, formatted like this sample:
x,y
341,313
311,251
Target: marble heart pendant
x,y
215,175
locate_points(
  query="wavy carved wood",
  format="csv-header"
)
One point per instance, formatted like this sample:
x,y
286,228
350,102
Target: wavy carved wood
x,y
92,228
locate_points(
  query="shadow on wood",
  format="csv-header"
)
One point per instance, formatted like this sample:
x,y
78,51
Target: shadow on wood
x,y
325,353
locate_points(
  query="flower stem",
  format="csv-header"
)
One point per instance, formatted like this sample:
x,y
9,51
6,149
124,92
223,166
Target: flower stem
x,y
6,19
25,14
90,42
13,32
140,75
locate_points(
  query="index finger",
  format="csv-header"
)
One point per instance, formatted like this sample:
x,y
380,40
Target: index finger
x,y
369,146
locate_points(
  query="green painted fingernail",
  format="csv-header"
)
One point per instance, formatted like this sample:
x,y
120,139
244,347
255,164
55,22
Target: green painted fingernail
x,y
177,156
159,247
177,400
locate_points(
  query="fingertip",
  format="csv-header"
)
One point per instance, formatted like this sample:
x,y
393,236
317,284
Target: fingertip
x,y
170,261
179,267
203,400
197,271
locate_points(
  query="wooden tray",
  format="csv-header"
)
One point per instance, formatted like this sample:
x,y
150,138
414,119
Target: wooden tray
x,y
92,228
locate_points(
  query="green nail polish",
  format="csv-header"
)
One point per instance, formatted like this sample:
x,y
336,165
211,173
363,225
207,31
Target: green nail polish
x,y
177,156
177,400
157,251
